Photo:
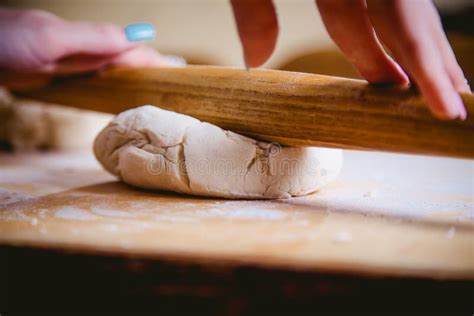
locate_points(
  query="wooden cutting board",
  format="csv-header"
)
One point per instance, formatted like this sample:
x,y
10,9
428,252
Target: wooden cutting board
x,y
387,214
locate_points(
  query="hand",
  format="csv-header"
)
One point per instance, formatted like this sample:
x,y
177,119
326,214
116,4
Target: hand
x,y
410,30
35,45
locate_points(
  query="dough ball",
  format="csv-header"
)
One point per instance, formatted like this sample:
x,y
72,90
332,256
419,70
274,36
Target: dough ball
x,y
157,149
30,125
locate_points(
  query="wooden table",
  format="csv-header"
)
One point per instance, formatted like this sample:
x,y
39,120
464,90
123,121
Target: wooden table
x,y
393,233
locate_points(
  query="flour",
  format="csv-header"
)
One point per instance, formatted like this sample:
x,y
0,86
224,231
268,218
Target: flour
x,y
7,197
244,213
73,213
451,232
371,193
107,212
342,237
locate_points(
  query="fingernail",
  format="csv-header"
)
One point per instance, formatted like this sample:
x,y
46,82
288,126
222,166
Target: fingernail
x,y
176,61
461,110
462,113
403,77
246,64
140,32
468,87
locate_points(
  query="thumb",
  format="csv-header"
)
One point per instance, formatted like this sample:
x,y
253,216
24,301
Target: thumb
x,y
257,25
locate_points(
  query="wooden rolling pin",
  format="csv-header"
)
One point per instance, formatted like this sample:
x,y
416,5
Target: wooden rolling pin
x,y
291,108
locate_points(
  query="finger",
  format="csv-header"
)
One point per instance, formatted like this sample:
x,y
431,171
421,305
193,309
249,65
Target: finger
x,y
348,25
404,27
257,25
141,56
450,63
144,56
455,72
91,39
80,63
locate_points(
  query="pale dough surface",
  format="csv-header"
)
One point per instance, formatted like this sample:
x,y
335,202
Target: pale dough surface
x,y
157,149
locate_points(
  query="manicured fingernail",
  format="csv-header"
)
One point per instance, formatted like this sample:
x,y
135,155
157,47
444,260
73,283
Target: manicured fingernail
x,y
176,61
140,32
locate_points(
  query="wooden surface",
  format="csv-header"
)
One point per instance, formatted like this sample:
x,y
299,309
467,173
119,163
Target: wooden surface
x,y
387,215
292,108
56,282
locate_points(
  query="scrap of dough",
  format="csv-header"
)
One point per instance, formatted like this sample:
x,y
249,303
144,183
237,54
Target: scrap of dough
x,y
29,125
157,149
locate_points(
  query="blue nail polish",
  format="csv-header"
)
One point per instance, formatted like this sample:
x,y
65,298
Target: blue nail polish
x,y
139,32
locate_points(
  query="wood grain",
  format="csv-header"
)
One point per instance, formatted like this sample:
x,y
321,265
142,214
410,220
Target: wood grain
x,y
387,215
291,108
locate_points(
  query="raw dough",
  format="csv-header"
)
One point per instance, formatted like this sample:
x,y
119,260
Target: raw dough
x,y
28,125
157,149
